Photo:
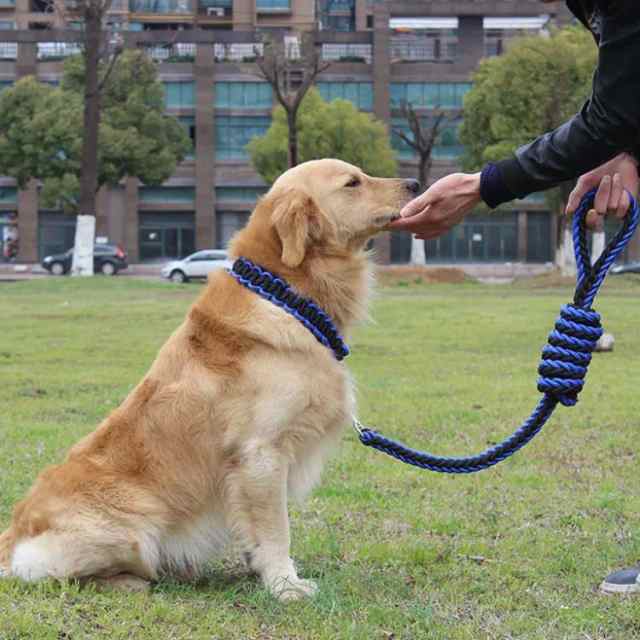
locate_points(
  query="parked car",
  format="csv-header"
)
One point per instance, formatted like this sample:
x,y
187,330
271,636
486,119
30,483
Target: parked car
x,y
108,259
197,265
631,267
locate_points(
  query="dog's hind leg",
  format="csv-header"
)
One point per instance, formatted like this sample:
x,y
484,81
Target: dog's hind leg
x,y
256,494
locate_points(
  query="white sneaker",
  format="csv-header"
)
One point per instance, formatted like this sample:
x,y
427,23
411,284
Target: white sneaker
x,y
623,581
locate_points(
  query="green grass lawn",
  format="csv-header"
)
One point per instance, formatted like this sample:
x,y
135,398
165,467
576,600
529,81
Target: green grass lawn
x,y
514,552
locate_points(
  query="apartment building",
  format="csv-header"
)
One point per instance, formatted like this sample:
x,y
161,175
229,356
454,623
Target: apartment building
x,y
383,52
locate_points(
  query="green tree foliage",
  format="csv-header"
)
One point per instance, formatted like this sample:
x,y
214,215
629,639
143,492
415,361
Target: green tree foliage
x,y
325,130
538,84
41,130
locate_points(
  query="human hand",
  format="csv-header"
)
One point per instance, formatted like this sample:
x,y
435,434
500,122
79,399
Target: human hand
x,y
613,179
441,206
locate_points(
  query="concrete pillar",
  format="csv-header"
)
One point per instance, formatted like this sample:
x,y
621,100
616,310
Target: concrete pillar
x,y
361,15
522,236
102,212
381,62
244,15
28,223
204,70
470,42
112,215
26,65
131,223
381,78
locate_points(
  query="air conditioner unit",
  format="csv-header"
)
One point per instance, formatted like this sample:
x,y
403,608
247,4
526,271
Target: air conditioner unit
x,y
215,11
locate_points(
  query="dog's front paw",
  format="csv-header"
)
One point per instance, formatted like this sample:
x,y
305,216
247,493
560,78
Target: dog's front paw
x,y
291,588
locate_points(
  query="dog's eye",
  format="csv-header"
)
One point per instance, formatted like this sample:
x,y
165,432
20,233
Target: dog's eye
x,y
354,182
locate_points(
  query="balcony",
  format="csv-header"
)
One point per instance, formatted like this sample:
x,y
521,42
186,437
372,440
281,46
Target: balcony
x,y
162,7
57,50
238,52
347,52
8,50
423,49
178,52
215,9
273,6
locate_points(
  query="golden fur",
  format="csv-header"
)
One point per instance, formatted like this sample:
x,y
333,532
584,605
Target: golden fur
x,y
236,414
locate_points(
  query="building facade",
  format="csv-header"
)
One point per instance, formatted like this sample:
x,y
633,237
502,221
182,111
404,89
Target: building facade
x,y
382,53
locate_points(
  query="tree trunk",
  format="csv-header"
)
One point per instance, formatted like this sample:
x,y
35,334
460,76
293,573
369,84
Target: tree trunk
x,y
292,124
83,253
566,259
597,246
424,168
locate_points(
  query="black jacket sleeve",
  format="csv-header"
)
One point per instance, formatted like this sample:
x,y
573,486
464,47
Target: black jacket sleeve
x,y
608,123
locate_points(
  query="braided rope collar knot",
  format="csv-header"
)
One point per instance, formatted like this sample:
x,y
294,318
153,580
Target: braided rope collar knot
x,y
278,291
566,357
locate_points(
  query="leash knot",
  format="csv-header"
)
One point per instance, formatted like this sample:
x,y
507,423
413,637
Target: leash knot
x,y
566,357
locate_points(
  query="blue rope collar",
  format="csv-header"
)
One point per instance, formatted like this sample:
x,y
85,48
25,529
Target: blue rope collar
x,y
565,358
277,290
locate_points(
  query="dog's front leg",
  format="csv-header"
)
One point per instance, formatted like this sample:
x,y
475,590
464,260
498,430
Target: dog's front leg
x,y
257,511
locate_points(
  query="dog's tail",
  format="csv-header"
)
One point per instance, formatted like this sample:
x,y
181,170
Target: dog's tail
x,y
6,549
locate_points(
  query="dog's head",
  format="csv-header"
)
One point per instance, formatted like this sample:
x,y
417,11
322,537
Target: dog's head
x,y
330,206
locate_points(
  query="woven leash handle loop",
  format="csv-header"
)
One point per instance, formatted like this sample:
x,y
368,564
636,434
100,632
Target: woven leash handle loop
x,y
565,359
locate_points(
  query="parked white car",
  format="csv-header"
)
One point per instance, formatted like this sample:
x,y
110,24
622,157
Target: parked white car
x,y
197,265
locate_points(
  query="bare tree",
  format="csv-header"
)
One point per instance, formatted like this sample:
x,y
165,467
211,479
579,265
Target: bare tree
x,y
291,67
424,135
97,47
422,139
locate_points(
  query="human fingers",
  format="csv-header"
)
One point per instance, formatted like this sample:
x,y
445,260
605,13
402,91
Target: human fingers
x,y
601,202
594,220
616,194
584,185
412,223
415,206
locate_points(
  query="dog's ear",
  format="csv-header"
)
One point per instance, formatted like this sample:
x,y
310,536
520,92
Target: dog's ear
x,y
295,216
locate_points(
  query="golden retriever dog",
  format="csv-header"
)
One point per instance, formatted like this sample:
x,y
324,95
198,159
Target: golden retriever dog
x,y
237,413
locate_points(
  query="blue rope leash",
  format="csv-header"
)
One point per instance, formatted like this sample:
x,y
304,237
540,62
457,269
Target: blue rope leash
x,y
565,359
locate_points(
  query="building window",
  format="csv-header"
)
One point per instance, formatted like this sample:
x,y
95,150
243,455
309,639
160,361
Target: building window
x,y
175,7
492,238
337,15
539,236
240,194
8,196
243,95
358,93
159,195
424,39
447,146
179,95
499,31
429,95
189,124
228,223
273,5
233,133
166,235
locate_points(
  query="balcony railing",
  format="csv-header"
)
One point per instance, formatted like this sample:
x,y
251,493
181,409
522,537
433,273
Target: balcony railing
x,y
164,7
238,52
347,52
8,50
425,49
57,50
179,52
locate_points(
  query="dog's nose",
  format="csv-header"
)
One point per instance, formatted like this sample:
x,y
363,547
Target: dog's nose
x,y
412,185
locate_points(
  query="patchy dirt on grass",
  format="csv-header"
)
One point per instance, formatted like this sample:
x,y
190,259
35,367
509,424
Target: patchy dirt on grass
x,y
402,275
